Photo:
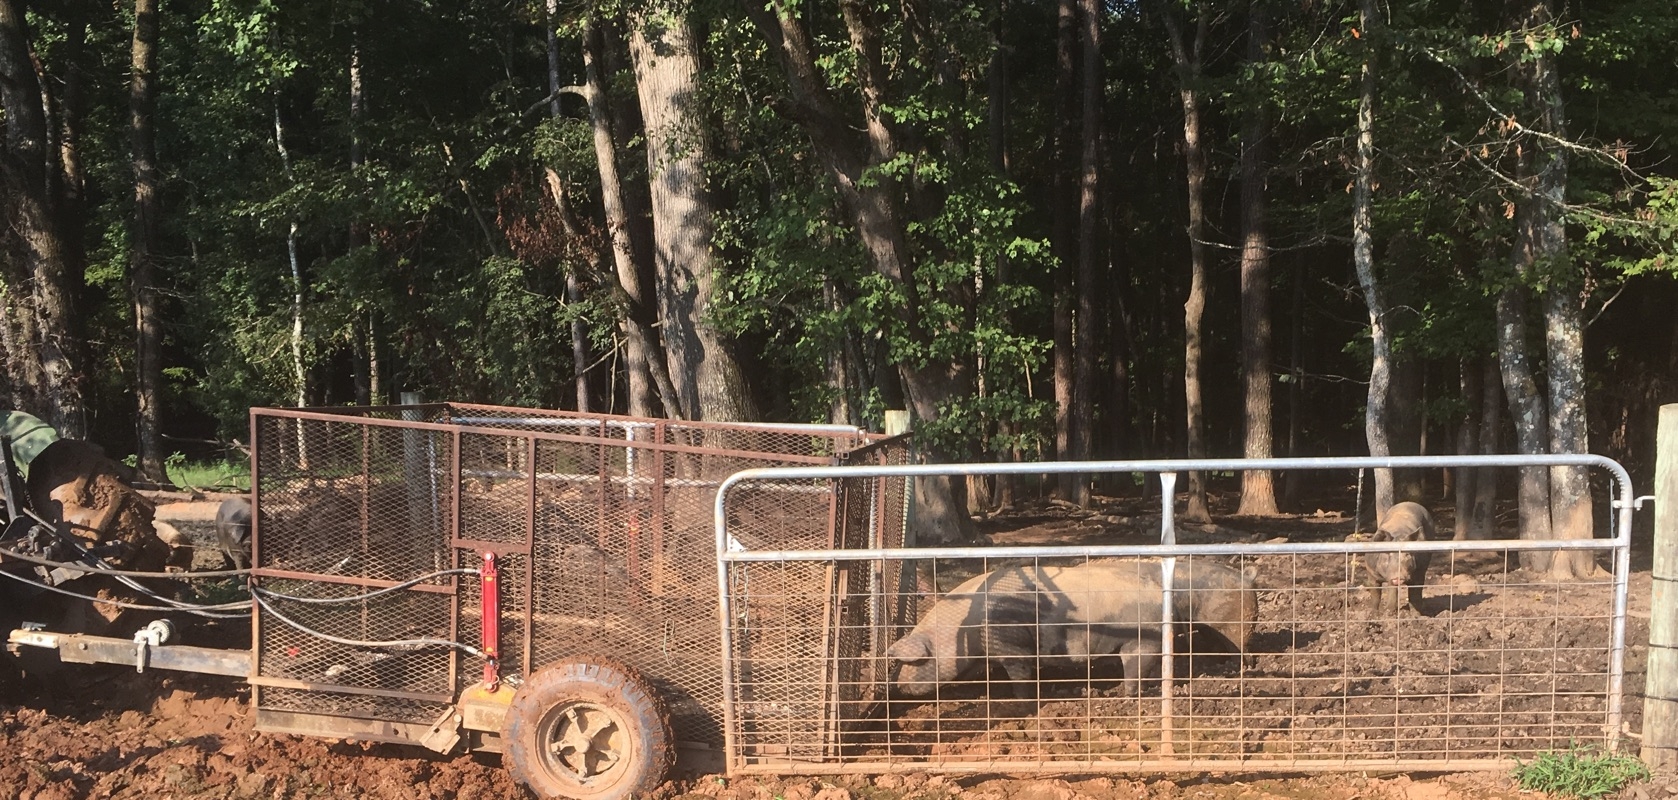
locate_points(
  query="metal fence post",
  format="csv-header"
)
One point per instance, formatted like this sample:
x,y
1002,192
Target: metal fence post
x,y
1660,709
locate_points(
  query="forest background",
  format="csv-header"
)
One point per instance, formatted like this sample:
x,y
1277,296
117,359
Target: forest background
x,y
1052,229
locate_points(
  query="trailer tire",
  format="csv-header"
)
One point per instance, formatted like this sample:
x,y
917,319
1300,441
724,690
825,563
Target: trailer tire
x,y
588,729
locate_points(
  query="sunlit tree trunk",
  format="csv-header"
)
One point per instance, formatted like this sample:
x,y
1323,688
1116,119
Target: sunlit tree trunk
x,y
1363,256
641,354
1570,495
1258,490
148,331
1186,57
710,383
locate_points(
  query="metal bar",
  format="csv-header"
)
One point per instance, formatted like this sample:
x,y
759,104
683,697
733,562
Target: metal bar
x,y
489,603
272,720
346,580
1617,637
1183,465
1167,638
526,667
339,688
1380,724
768,765
83,649
452,531
1161,551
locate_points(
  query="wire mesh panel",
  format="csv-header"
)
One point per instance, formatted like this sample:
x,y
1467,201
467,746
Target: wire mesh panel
x,y
602,528
1278,656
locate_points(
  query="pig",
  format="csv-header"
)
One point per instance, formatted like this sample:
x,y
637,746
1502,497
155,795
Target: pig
x,y
1398,577
233,531
1015,615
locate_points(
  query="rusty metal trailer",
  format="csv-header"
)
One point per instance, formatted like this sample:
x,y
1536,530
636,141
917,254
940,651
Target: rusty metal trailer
x,y
535,583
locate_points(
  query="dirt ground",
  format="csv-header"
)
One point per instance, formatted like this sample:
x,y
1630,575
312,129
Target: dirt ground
x,y
109,732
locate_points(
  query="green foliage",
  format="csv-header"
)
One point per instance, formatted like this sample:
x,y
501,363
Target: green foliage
x,y
1580,772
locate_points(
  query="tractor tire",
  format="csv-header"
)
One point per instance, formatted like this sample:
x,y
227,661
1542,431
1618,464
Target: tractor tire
x,y
588,729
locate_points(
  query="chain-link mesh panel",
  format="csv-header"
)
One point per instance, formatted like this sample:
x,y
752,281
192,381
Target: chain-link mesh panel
x,y
1063,670
603,529
291,645
339,704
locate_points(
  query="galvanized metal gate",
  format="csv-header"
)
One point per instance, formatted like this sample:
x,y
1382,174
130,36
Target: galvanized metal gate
x,y
1504,663
370,523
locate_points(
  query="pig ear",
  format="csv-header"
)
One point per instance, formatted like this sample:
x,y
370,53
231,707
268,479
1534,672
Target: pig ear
x,y
910,650
1249,575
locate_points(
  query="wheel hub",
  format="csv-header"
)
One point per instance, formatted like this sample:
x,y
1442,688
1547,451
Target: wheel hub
x,y
585,742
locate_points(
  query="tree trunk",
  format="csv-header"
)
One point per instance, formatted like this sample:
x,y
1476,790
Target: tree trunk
x,y
1089,251
1468,440
1186,58
46,252
641,354
1002,496
1292,479
299,368
1258,490
880,223
1063,238
1526,407
709,381
1484,523
580,357
1363,256
148,332
1570,495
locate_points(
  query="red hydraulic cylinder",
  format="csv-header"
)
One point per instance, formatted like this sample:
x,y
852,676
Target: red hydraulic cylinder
x,y
489,593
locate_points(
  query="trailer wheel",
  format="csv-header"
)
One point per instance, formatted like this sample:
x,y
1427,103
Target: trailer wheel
x,y
588,729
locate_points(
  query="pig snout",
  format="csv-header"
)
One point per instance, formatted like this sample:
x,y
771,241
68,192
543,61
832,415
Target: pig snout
x,y
917,669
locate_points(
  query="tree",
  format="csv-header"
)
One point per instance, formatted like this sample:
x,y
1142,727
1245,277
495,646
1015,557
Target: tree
x,y
1363,254
148,328
1186,57
1258,490
32,172
868,172
709,381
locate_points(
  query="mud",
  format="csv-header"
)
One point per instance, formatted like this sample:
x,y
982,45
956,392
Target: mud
x,y
107,732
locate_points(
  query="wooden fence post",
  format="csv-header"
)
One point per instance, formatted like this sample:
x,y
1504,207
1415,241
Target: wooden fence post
x,y
1660,691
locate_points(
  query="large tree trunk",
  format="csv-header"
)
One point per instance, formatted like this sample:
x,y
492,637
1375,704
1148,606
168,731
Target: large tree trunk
x,y
880,223
1363,256
1526,407
1089,251
642,356
148,331
1186,58
1258,490
1570,495
47,252
709,381
1063,238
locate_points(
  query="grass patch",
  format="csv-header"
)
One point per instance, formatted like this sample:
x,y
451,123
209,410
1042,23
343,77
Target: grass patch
x,y
223,476
1583,772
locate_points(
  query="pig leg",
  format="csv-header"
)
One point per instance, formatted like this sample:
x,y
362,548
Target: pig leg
x,y
1022,677
1141,659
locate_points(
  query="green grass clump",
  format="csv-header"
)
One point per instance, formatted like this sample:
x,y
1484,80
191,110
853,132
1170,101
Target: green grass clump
x,y
214,475
1582,772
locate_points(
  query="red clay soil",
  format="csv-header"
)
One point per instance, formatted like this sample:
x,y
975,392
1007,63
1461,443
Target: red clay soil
x,y
109,732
